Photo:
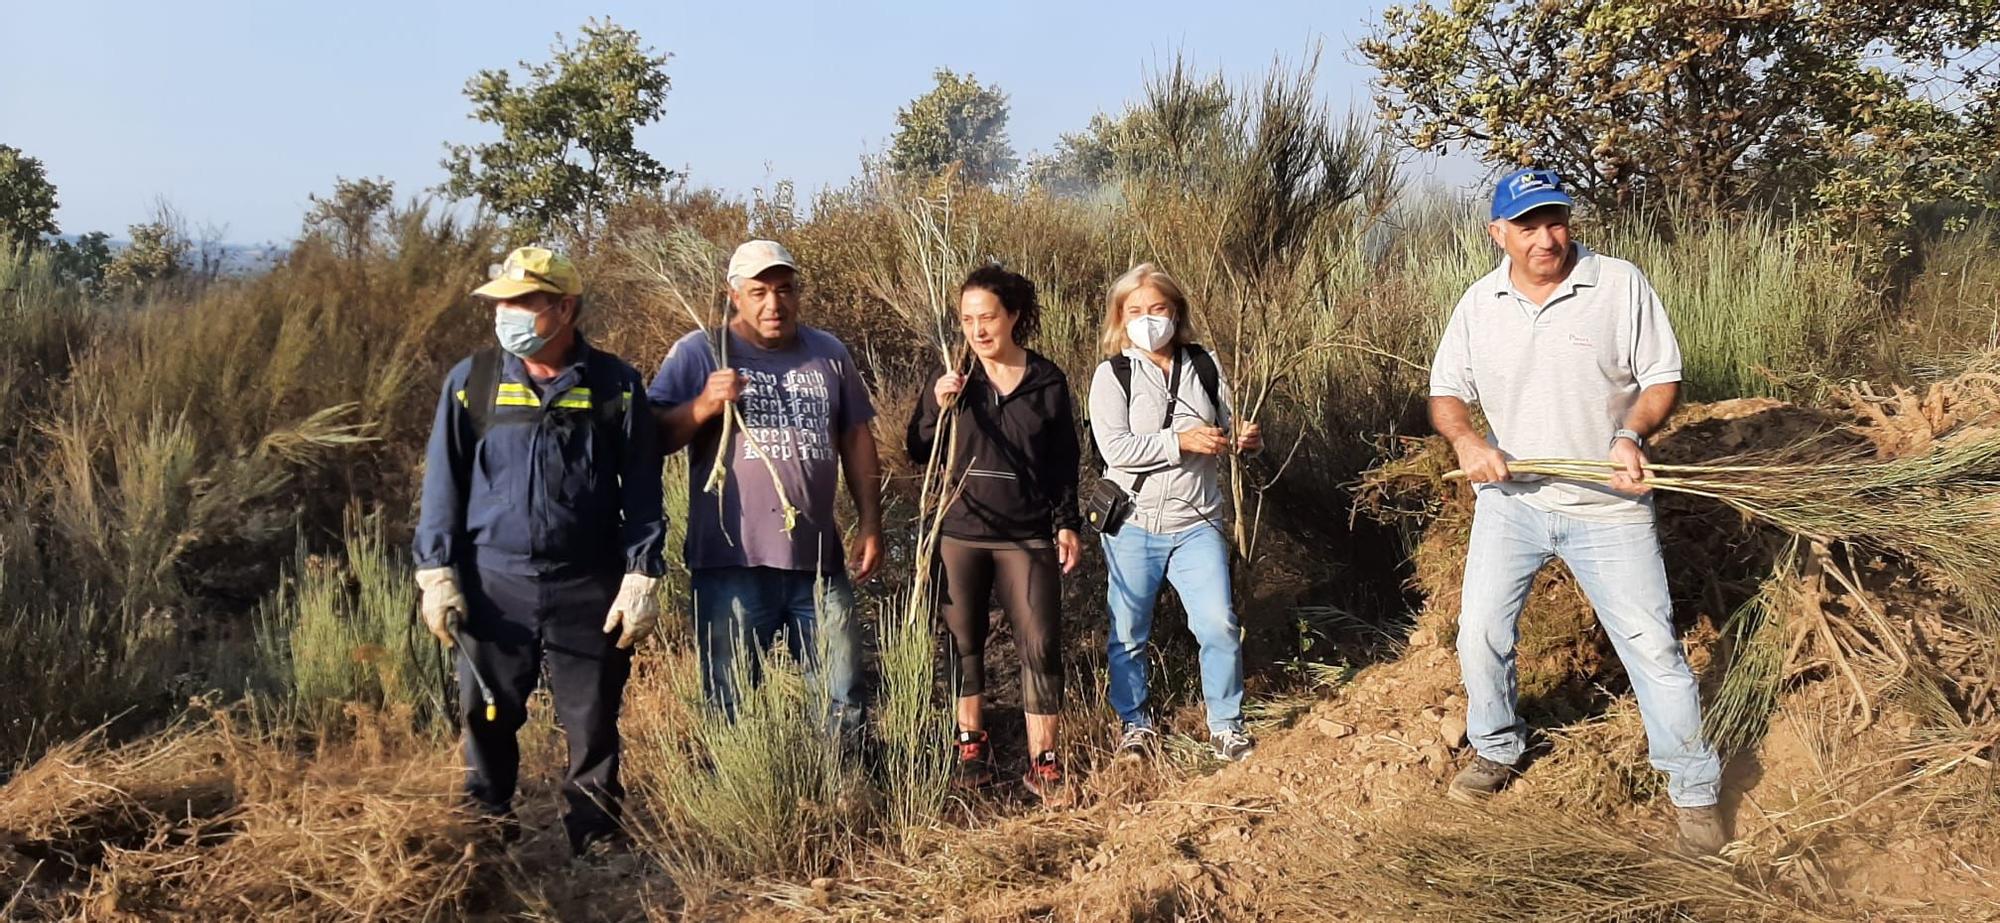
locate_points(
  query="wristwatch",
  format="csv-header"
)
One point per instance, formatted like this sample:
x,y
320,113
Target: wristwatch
x,y
1637,439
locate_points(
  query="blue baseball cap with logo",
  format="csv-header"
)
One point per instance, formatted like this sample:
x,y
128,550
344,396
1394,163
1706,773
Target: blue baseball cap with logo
x,y
1523,191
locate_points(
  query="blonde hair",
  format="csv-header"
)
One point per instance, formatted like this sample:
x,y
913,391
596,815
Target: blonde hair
x,y
1113,340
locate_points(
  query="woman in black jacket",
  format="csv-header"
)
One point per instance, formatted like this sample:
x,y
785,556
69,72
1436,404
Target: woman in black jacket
x,y
1013,522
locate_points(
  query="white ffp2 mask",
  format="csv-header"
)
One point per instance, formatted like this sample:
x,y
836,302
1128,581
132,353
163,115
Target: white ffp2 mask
x,y
1150,331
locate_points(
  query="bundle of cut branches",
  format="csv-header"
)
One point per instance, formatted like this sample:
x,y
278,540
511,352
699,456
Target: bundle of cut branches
x,y
1939,509
683,267
938,247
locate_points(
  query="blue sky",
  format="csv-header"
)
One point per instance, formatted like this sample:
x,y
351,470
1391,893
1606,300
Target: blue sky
x,y
235,111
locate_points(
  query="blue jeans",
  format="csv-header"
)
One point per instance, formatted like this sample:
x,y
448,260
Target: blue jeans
x,y
1618,566
743,608
1197,562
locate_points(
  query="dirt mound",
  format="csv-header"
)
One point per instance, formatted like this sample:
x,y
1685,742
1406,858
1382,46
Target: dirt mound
x,y
1341,816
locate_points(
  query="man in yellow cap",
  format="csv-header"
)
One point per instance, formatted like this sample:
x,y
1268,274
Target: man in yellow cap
x,y
540,538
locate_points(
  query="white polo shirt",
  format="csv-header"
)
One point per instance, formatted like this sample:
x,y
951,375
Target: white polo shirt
x,y
1557,380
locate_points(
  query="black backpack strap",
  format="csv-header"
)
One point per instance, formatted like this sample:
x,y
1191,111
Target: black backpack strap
x,y
611,395
482,385
1167,424
1211,377
1121,367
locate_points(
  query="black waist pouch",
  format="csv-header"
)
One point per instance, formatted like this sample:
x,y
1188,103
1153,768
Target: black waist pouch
x,y
1107,507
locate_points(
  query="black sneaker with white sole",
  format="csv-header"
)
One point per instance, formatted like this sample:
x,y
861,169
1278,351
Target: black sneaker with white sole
x,y
1137,742
1232,745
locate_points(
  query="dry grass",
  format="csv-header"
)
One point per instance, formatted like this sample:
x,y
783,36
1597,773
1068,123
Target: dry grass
x,y
221,821
1536,864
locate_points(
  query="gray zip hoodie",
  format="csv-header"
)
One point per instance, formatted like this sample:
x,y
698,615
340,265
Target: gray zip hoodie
x,y
1181,492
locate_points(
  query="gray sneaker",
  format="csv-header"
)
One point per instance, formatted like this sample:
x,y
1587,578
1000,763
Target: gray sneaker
x,y
1137,742
1479,780
1232,745
1702,832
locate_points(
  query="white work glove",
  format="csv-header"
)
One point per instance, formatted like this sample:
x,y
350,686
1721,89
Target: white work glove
x,y
636,609
443,606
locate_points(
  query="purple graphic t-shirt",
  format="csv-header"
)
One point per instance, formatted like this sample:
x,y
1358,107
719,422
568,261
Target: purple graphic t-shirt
x,y
796,402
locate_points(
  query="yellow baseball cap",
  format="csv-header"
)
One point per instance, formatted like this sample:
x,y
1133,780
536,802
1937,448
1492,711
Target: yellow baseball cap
x,y
532,269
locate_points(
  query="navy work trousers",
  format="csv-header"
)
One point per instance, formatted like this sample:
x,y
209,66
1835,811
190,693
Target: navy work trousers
x,y
516,624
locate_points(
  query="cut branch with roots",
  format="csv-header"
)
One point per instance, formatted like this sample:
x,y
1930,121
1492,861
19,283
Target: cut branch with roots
x,y
1939,510
936,250
684,268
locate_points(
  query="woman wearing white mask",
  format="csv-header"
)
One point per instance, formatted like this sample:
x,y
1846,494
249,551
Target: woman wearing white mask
x,y
1160,416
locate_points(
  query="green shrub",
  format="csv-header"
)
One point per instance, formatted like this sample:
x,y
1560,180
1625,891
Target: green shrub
x,y
767,793
343,630
1759,309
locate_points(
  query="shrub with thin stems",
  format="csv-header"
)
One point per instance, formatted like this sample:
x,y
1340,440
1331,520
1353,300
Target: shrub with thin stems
x,y
765,791
913,730
1758,307
1951,310
340,631
44,320
75,666
1287,192
131,500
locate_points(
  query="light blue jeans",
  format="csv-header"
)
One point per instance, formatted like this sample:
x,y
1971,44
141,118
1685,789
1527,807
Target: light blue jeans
x,y
745,607
1619,568
1197,562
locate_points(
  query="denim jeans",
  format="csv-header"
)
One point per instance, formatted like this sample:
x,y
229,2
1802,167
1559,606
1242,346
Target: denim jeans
x,y
1618,566
1196,560
743,608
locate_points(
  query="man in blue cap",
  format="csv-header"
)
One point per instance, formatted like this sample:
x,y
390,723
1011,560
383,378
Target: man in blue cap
x,y
540,537
1570,355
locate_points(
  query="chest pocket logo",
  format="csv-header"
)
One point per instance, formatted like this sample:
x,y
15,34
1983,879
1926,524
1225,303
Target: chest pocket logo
x,y
1577,342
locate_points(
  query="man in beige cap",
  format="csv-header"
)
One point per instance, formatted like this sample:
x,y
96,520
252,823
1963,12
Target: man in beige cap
x,y
806,412
540,538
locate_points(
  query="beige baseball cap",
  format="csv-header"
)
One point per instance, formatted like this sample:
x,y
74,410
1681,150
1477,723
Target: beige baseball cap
x,y
754,257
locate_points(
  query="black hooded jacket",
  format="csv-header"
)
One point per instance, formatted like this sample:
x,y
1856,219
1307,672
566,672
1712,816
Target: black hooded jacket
x,y
1017,455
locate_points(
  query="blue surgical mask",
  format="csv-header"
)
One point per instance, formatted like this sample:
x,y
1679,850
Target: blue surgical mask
x,y
516,330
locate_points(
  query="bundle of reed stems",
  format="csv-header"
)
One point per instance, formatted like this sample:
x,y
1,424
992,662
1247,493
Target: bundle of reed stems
x,y
683,267
938,247
1940,509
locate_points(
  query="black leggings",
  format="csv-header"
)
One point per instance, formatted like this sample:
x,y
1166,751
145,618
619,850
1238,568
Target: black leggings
x,y
1030,584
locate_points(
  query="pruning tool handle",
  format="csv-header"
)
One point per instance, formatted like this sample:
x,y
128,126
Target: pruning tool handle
x,y
485,691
